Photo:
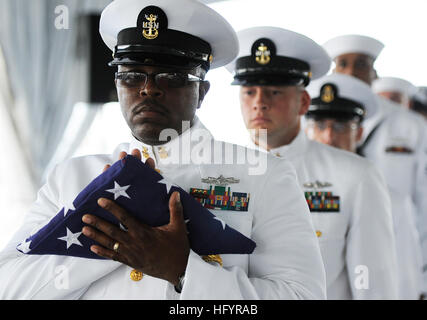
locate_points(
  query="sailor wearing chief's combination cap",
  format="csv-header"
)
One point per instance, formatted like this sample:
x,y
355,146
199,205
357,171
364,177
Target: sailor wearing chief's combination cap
x,y
344,101
184,33
396,138
342,190
284,57
342,97
163,50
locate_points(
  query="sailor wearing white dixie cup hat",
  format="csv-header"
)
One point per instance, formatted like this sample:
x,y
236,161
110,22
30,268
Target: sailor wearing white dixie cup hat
x,y
396,138
163,49
343,102
342,190
395,89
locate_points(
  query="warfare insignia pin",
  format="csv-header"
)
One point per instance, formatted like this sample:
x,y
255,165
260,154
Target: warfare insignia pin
x,y
220,181
317,184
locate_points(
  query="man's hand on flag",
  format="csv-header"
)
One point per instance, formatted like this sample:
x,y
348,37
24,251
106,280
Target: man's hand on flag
x,y
160,252
136,153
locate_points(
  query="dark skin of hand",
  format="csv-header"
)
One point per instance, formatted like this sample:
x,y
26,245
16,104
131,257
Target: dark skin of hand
x,y
142,247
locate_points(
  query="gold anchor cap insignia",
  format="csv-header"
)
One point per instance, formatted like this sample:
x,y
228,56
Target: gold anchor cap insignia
x,y
262,55
150,27
328,93
151,21
263,50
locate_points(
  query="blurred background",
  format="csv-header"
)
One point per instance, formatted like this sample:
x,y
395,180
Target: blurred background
x,y
57,95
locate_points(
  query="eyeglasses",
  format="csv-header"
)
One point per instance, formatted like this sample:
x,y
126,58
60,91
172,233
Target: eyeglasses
x,y
165,80
336,126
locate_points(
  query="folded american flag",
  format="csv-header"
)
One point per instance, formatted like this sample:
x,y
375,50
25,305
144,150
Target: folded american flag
x,y
144,193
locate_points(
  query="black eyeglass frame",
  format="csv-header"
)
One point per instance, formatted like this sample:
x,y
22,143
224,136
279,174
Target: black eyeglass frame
x,y
184,78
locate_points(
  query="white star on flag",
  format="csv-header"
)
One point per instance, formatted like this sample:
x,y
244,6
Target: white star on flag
x,y
67,208
71,238
168,184
222,222
119,191
25,246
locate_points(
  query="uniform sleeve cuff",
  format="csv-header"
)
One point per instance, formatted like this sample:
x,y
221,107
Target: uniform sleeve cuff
x,y
197,276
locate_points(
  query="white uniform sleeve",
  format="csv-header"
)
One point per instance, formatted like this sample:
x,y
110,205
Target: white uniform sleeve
x,y
47,276
371,253
286,263
408,250
421,204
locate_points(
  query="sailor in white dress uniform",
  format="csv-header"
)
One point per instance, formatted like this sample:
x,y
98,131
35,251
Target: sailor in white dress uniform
x,y
395,138
160,81
335,117
347,196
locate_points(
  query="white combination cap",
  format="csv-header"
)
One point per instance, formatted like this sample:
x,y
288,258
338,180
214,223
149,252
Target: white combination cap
x,y
392,84
353,43
177,32
271,55
340,95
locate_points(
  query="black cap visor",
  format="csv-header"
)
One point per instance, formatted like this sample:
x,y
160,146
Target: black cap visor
x,y
279,70
341,109
157,60
262,79
171,47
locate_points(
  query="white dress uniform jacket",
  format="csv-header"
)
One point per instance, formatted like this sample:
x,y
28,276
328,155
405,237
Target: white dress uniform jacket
x,y
357,243
286,263
405,172
408,249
